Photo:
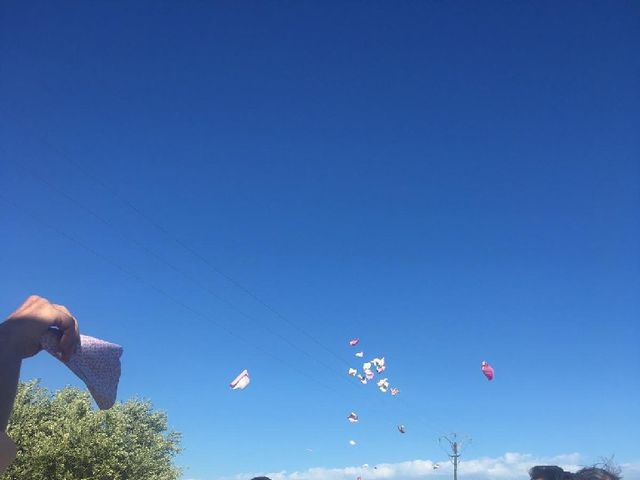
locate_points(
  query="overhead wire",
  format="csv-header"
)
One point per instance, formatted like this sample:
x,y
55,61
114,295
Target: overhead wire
x,y
175,268
165,294
161,259
158,289
205,261
194,252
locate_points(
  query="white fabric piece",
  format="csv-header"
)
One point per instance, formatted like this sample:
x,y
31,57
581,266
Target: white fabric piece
x,y
241,381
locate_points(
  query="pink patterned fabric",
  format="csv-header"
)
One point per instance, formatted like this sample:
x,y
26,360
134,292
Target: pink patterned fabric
x,y
96,362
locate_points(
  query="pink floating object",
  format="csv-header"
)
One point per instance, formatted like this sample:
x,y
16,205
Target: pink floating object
x,y
487,370
353,342
95,362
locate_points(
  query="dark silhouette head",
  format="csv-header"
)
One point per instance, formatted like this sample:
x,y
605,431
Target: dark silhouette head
x,y
549,472
595,473
553,472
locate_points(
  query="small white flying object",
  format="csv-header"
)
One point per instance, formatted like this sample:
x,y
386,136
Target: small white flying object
x,y
378,362
353,417
394,391
435,466
354,341
368,374
401,429
360,354
352,442
383,385
241,381
352,372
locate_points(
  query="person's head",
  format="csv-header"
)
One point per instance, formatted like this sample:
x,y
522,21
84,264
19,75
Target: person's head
x,y
553,472
595,473
548,472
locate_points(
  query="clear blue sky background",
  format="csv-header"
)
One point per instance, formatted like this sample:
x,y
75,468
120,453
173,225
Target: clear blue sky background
x,y
449,181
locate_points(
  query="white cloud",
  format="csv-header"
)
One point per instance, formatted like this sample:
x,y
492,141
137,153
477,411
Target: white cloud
x,y
631,471
510,466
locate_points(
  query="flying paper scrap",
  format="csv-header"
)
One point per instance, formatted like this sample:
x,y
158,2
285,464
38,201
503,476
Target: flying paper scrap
x,y
241,381
383,385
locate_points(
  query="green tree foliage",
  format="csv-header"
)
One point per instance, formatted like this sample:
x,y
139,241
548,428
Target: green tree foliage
x,y
61,437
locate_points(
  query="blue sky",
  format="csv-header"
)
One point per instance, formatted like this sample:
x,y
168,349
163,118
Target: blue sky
x,y
451,182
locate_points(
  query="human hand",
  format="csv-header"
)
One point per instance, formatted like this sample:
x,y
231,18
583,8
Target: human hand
x,y
33,318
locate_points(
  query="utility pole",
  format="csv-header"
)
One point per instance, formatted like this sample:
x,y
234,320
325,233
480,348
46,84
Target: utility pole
x,y
456,446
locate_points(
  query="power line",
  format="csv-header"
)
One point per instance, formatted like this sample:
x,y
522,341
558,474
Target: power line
x,y
204,260
175,268
159,227
159,290
192,251
164,293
